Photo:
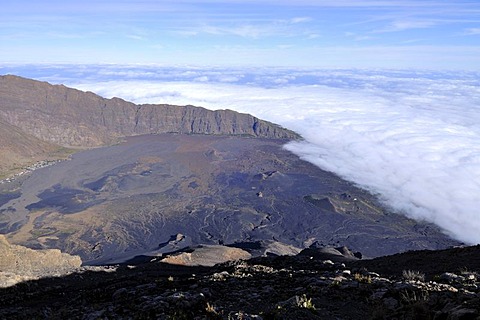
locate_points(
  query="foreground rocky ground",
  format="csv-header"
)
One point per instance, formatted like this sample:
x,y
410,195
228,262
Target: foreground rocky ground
x,y
316,284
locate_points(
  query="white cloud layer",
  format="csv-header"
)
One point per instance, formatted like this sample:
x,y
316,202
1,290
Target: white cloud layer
x,y
412,138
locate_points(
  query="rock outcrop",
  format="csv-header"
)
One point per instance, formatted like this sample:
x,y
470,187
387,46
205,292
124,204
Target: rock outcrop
x,y
18,263
207,255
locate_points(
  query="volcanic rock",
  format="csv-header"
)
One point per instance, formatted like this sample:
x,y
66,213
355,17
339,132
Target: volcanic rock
x,y
18,263
112,204
207,255
289,287
37,118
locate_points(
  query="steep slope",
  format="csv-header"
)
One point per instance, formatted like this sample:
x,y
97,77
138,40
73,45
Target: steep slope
x,y
70,117
19,149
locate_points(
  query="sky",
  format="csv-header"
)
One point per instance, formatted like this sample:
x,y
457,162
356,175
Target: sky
x,y
428,34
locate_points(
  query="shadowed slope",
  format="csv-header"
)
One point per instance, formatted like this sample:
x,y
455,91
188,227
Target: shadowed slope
x,y
300,287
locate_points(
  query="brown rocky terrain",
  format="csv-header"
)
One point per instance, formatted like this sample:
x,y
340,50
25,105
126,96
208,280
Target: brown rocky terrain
x,y
37,118
207,256
19,149
321,283
19,264
70,117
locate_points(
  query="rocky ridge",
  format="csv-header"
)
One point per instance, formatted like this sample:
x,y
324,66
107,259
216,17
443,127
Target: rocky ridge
x,y
317,284
70,117
37,119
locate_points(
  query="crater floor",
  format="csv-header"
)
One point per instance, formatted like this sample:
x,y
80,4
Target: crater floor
x,y
114,203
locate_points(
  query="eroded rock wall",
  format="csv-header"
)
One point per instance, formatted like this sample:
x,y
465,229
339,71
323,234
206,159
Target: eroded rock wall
x,y
70,117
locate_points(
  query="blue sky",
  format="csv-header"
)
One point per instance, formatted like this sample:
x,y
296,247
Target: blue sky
x,y
303,33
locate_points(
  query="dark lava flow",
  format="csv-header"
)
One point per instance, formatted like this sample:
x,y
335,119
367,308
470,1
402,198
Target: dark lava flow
x,y
111,204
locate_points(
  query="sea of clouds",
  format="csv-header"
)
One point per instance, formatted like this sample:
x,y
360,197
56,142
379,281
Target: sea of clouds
x,y
411,137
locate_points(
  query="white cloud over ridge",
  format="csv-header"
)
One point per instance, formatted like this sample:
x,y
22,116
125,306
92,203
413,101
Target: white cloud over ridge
x,y
412,138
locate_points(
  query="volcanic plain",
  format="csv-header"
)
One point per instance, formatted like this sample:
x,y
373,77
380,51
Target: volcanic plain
x,y
154,194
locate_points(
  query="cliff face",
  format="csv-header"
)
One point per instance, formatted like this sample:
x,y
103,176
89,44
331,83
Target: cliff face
x,y
70,117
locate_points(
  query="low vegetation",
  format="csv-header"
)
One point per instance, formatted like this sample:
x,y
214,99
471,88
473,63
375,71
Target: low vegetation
x,y
412,275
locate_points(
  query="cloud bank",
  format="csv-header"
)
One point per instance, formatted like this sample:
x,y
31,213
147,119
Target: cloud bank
x,y
412,138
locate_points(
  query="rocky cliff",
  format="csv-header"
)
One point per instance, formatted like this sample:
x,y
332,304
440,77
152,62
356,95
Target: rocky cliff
x,y
18,263
70,117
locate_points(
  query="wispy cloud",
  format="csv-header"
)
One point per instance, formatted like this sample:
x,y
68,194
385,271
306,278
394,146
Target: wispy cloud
x,y
191,30
313,36
136,37
357,37
301,19
326,3
472,31
402,25
253,30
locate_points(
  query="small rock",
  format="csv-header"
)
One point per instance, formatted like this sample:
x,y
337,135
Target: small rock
x,y
379,294
328,263
244,316
462,314
120,295
339,278
220,276
390,303
346,272
471,277
451,277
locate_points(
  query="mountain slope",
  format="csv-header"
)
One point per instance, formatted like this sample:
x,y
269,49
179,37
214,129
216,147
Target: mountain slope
x,y
300,287
70,117
19,149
